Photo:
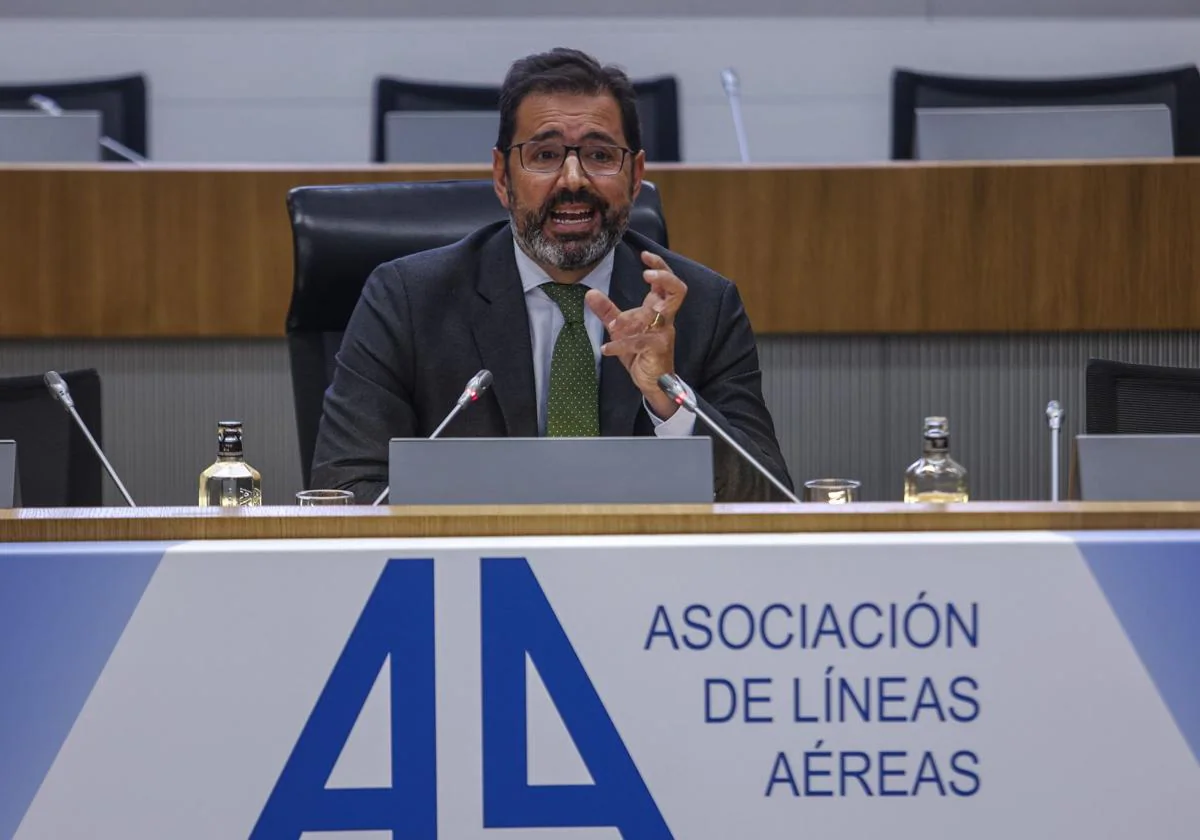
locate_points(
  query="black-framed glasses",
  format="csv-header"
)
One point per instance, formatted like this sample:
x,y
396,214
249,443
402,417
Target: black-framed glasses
x,y
545,157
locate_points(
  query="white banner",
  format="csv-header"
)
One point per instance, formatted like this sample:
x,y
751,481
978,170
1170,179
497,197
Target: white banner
x,y
708,688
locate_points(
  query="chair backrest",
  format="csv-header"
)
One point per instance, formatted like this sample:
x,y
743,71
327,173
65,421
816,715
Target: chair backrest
x,y
657,104
340,234
121,102
56,466
1176,88
1125,398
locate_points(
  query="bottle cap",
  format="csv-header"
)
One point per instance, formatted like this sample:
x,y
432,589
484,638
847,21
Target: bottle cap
x,y
229,437
937,433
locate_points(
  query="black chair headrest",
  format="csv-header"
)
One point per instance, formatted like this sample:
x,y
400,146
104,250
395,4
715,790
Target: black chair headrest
x,y
342,233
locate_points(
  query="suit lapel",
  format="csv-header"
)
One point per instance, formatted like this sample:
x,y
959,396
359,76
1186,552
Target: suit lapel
x,y
620,400
500,325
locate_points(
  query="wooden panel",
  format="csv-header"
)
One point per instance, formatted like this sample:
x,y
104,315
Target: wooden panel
x,y
206,251
501,521
938,248
153,252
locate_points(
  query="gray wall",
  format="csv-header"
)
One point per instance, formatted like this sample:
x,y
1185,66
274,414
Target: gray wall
x,y
290,81
659,8
162,401
844,406
852,407
815,88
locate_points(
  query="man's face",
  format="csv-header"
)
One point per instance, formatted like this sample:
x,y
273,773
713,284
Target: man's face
x,y
570,218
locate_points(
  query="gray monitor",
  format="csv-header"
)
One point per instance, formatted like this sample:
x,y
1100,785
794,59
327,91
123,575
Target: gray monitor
x,y
440,136
33,137
10,490
1139,468
599,470
1044,133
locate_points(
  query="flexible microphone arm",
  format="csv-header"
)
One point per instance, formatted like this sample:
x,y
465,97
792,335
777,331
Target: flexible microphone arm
x,y
674,388
732,85
60,392
51,108
478,383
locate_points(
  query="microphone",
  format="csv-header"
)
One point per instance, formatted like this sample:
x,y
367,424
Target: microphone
x,y
674,388
46,105
52,109
58,389
729,80
474,389
1054,416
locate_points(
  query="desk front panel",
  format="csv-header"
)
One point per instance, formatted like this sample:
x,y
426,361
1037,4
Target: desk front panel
x,y
993,685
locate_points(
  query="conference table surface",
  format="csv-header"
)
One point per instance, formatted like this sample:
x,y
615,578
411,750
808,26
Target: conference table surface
x,y
491,521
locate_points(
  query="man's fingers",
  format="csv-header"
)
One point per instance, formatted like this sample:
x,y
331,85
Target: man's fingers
x,y
601,306
653,260
630,322
664,283
633,344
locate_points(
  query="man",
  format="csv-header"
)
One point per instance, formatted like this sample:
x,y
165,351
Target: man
x,y
575,316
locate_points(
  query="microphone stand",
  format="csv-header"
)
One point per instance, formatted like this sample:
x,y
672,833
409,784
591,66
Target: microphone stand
x,y
1054,415
119,148
729,79
52,109
58,388
673,387
479,383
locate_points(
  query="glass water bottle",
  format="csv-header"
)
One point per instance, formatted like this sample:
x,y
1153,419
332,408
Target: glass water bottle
x,y
936,477
230,481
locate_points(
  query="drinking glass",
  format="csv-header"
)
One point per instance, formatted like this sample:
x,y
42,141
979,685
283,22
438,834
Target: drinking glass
x,y
312,498
833,491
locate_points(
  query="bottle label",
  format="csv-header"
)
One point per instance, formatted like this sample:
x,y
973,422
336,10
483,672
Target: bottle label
x,y
229,442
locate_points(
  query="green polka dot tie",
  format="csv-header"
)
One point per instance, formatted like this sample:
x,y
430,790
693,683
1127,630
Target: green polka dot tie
x,y
573,408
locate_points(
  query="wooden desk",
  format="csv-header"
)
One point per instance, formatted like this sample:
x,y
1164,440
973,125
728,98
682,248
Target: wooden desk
x,y
205,251
726,686
192,523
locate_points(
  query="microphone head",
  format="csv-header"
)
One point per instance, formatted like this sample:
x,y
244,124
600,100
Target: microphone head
x,y
672,387
478,383
45,104
1054,414
58,388
483,381
729,79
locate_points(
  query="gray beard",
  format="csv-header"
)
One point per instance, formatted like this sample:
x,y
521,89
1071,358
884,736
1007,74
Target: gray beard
x,y
566,256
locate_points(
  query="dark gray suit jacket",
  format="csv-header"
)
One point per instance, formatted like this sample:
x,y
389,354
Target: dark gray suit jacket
x,y
427,322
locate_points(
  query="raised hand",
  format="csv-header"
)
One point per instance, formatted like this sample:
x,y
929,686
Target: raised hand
x,y
644,338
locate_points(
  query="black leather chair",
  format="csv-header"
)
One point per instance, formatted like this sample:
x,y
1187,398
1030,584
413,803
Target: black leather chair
x,y
1177,88
55,465
1126,398
658,108
121,102
340,234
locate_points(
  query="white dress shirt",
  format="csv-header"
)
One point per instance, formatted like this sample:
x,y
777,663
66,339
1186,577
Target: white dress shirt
x,y
546,319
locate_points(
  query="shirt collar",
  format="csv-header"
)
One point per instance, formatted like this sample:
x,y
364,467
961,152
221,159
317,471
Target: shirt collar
x,y
532,275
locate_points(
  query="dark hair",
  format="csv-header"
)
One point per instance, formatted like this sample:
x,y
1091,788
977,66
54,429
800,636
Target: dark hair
x,y
564,70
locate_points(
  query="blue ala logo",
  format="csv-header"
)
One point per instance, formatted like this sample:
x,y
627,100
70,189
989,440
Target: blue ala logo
x,y
516,621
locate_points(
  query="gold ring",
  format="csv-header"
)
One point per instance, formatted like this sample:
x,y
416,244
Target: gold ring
x,y
657,322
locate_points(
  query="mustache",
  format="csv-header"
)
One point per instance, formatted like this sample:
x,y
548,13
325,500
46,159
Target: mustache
x,y
565,196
